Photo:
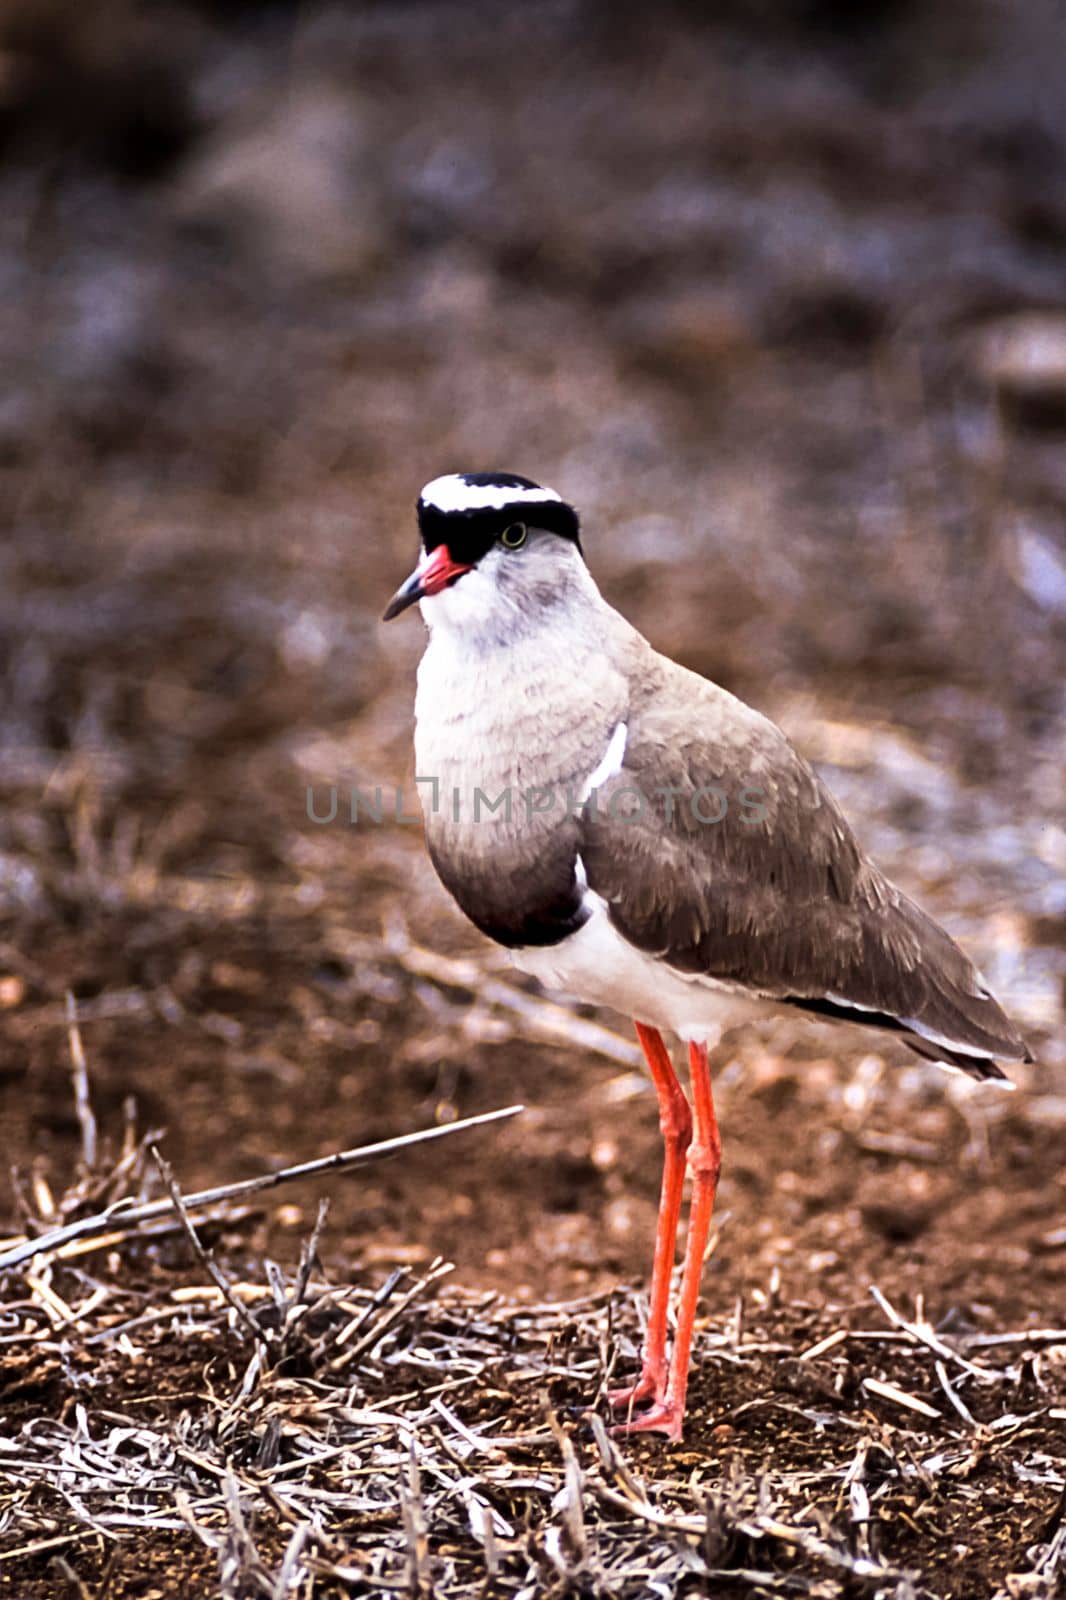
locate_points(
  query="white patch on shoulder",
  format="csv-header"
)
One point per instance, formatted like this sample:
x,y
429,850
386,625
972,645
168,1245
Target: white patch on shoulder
x,y
452,493
610,765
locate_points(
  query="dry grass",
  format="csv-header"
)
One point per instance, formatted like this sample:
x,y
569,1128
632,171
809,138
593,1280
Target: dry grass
x,y
291,1434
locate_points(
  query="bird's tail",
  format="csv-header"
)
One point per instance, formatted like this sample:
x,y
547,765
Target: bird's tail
x,y
946,1011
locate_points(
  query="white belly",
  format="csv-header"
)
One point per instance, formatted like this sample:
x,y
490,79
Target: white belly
x,y
598,965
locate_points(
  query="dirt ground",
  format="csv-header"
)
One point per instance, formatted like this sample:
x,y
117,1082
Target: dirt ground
x,y
748,290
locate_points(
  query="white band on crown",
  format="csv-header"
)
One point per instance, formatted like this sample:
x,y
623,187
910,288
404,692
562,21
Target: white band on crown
x,y
450,493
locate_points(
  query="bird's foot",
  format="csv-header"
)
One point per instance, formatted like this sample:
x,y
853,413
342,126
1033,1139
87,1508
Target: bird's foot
x,y
651,1385
665,1416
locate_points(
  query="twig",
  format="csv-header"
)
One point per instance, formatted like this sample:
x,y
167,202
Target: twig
x,y
570,1501
79,1074
991,1341
130,1215
922,1333
955,1398
289,1572
414,1522
295,1307
217,1276
437,1269
824,1346
899,1397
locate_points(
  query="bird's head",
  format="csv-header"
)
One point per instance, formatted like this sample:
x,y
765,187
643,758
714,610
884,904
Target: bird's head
x,y
492,543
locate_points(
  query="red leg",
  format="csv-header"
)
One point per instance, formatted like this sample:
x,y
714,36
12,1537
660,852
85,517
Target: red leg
x,y
675,1120
705,1160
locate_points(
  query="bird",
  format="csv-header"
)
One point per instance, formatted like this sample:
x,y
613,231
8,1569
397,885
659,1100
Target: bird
x,y
636,836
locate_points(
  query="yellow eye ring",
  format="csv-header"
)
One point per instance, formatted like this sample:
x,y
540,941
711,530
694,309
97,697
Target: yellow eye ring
x,y
514,536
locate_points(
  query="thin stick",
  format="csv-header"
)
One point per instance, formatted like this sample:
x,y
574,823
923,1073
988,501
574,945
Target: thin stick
x,y
309,1254
130,1215
79,1075
922,1333
899,1397
207,1261
992,1341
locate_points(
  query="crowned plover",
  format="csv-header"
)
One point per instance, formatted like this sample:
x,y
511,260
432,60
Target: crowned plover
x,y
637,836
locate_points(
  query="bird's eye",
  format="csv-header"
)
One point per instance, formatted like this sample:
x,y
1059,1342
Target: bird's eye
x,y
514,536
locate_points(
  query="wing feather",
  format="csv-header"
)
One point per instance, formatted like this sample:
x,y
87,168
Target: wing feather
x,y
718,849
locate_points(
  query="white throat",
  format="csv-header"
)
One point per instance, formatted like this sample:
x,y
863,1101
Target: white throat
x,y
550,597
470,607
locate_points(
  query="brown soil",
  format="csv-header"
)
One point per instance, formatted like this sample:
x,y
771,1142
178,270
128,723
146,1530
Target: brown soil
x,y
742,333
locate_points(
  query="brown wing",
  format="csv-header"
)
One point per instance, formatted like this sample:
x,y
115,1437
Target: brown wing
x,y
718,849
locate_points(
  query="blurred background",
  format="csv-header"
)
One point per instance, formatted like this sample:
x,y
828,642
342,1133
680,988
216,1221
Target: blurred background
x,y
775,292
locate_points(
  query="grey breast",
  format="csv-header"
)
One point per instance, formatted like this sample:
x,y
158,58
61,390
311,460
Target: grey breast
x,y
511,734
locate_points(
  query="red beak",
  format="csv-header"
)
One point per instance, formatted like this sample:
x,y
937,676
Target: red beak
x,y
432,575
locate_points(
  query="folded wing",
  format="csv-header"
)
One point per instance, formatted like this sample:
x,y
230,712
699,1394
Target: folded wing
x,y
718,849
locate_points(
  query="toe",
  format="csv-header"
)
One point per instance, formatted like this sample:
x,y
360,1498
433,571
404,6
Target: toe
x,y
651,1385
620,1399
663,1417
